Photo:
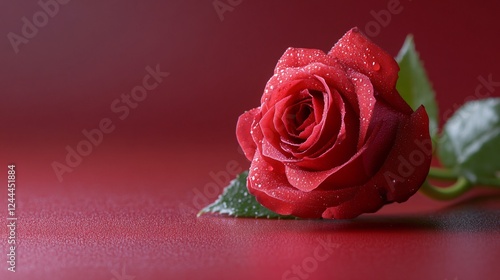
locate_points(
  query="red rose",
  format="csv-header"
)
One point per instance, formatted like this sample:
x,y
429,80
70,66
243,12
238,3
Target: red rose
x,y
333,138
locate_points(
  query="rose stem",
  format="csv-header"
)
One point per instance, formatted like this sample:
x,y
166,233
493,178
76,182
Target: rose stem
x,y
461,186
442,173
447,174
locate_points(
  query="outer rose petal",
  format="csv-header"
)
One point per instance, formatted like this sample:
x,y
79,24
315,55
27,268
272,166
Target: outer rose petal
x,y
268,183
390,184
412,147
281,82
367,200
357,52
297,57
243,129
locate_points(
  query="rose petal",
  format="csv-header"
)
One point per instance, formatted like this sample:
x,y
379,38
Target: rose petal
x,y
390,184
271,140
284,119
335,76
267,182
278,112
361,166
350,173
357,52
412,148
296,81
338,150
366,99
299,57
268,124
318,135
366,200
381,132
243,132
332,150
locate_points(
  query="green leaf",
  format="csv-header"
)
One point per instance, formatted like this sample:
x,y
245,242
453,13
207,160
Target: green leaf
x,y
238,202
470,142
414,85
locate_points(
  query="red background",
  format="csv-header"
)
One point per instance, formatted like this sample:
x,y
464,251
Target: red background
x,y
131,202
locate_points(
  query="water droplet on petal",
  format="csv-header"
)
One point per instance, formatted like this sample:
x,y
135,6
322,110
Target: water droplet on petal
x,y
270,168
375,66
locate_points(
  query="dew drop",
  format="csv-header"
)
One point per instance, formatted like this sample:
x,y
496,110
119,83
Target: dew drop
x,y
375,66
270,168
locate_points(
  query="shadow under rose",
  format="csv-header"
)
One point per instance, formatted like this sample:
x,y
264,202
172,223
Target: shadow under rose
x,y
475,214
479,213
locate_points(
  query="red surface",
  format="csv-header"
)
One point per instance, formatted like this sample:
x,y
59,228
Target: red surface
x,y
130,205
